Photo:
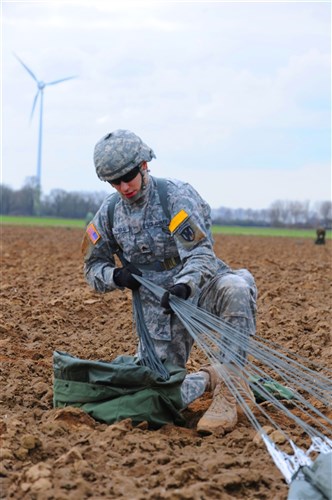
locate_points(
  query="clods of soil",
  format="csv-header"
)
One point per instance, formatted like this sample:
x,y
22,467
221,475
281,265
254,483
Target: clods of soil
x,y
58,454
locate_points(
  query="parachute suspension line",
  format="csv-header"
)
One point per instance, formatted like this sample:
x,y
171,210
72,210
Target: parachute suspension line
x,y
204,320
188,322
301,359
147,352
263,353
216,337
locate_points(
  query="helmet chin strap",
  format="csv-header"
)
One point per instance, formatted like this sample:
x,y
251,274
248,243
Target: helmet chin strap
x,y
144,176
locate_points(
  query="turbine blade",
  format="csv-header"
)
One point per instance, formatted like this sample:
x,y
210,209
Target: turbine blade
x,y
26,67
61,80
34,104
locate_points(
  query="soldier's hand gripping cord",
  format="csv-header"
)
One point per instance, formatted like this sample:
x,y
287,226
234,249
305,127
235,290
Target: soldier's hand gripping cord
x,y
180,290
123,276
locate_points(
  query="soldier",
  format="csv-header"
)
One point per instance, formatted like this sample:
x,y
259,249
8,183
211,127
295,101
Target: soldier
x,y
177,255
320,233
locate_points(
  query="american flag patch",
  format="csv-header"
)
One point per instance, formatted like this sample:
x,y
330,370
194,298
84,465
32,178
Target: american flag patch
x,y
93,233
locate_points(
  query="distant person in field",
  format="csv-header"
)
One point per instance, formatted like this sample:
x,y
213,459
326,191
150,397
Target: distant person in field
x,y
320,233
175,251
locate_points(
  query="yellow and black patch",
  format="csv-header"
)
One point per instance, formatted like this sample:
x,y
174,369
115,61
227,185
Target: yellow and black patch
x,y
185,230
177,220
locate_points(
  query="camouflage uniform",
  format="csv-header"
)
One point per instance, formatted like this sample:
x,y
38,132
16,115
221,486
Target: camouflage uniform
x,y
143,232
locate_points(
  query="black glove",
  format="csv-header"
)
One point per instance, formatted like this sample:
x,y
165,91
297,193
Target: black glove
x,y
122,276
181,290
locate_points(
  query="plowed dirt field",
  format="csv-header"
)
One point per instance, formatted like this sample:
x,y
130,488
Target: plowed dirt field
x,y
58,454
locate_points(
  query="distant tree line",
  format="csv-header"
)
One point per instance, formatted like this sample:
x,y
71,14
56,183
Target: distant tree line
x,y
59,203
281,213
76,205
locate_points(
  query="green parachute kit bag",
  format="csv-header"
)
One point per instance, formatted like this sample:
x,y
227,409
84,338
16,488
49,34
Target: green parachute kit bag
x,y
116,390
269,385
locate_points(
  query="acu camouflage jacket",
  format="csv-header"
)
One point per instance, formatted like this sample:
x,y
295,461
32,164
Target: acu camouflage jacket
x,y
149,239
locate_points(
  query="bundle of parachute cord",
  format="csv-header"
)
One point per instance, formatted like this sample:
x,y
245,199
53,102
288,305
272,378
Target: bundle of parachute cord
x,y
310,387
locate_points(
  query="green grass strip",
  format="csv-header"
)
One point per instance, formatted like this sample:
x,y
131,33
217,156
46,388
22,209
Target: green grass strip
x,y
229,230
268,231
41,221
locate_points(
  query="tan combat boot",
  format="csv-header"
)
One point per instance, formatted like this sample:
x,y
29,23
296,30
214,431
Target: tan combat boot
x,y
221,416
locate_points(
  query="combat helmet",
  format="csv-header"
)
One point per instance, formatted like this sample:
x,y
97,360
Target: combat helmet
x,y
118,152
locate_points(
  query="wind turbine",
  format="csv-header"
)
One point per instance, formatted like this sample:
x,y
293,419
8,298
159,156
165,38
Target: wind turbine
x,y
40,93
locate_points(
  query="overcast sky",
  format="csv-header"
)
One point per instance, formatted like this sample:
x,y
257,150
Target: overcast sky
x,y
233,97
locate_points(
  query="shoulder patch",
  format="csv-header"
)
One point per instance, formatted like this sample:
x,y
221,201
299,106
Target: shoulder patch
x,y
177,220
188,234
92,233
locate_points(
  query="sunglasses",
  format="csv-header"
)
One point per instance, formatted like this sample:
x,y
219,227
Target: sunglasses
x,y
127,177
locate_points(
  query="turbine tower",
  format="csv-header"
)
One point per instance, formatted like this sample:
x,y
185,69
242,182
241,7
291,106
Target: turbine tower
x,y
40,93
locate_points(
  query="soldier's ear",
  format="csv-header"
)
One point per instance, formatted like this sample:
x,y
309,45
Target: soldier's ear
x,y
144,165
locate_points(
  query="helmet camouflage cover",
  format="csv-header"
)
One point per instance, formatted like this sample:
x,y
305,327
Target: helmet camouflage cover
x,y
119,152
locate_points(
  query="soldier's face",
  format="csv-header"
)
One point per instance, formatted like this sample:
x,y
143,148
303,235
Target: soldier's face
x,y
130,188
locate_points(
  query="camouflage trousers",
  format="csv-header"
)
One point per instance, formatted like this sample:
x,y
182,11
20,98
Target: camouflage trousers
x,y
232,297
